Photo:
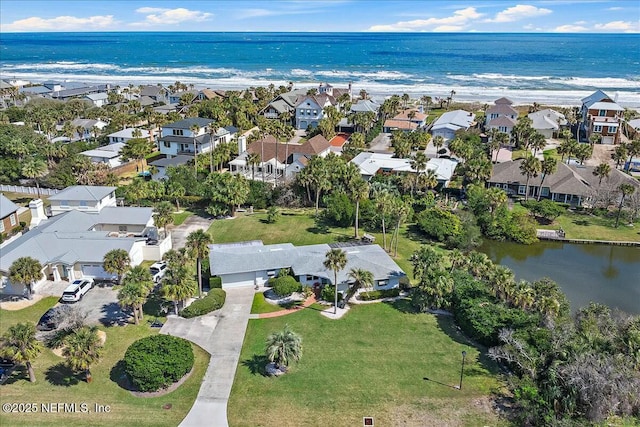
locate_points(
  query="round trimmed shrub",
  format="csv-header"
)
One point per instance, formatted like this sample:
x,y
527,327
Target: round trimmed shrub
x,y
285,285
156,362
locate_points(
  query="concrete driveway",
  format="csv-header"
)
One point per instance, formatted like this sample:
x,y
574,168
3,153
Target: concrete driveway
x,y
179,233
220,333
101,305
381,144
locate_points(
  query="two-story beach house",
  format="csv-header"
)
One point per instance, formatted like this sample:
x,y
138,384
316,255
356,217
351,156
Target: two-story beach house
x,y
86,198
125,135
310,108
501,116
547,122
188,136
601,116
283,105
408,120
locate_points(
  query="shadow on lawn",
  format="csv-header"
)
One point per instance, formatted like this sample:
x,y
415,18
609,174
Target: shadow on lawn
x,y
257,364
61,375
118,376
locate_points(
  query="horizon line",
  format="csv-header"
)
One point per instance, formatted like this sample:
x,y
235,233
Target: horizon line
x,y
323,32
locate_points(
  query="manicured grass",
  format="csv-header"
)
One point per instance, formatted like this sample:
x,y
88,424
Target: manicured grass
x,y
372,362
260,305
300,228
585,226
28,314
553,153
519,154
56,384
179,218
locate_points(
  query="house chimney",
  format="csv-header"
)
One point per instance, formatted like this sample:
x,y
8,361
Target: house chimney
x,y
37,212
242,144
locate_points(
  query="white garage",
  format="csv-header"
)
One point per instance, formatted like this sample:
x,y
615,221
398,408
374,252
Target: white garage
x,y
95,271
235,280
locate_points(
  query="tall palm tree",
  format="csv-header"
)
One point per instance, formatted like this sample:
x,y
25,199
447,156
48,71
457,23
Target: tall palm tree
x,y
548,166
361,279
360,191
253,159
284,347
537,142
198,246
131,295
530,167
20,345
163,215
383,203
117,261
457,258
83,349
335,260
625,190
177,284
26,270
34,168
195,129
602,171
438,142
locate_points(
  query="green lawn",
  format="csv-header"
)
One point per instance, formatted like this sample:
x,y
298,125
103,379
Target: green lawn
x,y
55,384
299,227
585,226
519,154
179,218
372,362
553,153
261,306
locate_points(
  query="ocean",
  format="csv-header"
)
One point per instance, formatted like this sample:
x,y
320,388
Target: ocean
x,y
557,69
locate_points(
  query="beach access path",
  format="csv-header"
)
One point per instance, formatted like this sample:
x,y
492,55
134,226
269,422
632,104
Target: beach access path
x,y
221,334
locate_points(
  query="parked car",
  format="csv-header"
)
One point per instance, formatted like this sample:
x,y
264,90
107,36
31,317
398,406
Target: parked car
x,y
77,289
157,270
49,320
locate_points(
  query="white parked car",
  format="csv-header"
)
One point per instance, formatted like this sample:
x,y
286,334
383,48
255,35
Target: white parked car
x,y
157,270
77,289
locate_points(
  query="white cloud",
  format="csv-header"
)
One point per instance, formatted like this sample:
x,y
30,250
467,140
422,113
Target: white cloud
x,y
618,26
448,28
518,12
569,28
456,22
160,16
615,8
61,23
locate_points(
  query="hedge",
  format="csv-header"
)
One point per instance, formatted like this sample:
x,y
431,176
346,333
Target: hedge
x,y
213,301
157,361
285,285
383,293
329,294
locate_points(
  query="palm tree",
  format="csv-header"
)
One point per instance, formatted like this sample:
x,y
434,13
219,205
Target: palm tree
x,y
131,295
583,152
383,203
548,166
530,168
117,261
438,142
335,260
198,246
83,349
602,171
253,159
625,190
195,129
360,191
457,258
25,270
20,345
35,168
537,142
163,215
177,284
175,190
361,279
284,347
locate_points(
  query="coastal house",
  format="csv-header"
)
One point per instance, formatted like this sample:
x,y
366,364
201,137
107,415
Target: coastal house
x,y
601,116
573,184
73,244
309,109
501,116
107,154
283,105
125,135
547,122
99,99
86,198
371,164
163,164
450,122
85,129
253,264
186,136
8,215
157,93
408,120
188,96
78,92
279,159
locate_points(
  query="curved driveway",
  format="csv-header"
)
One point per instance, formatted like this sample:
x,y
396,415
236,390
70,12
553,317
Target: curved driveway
x,y
220,333
180,232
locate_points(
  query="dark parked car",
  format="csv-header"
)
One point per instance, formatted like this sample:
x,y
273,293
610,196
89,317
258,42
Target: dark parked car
x,y
49,320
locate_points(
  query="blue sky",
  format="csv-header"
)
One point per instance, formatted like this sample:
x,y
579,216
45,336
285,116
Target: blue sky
x,y
586,16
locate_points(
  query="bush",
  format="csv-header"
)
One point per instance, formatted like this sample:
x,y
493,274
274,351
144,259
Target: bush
x,y
157,361
439,224
340,209
285,285
215,283
329,294
213,301
374,295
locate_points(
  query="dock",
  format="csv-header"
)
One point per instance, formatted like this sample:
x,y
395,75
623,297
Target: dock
x,y
559,236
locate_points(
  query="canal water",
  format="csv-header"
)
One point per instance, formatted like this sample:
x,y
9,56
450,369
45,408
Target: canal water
x,y
601,273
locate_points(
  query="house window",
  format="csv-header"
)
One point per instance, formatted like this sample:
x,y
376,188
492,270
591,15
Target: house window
x,y
602,113
167,144
383,283
309,112
503,129
315,112
12,219
521,189
597,128
1,226
612,130
310,277
544,192
64,203
505,186
178,132
122,228
83,204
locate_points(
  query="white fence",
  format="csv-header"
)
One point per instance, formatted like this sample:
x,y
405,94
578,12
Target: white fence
x,y
28,190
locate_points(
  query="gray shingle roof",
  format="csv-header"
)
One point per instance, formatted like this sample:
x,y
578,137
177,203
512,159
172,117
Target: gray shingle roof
x,y
188,122
124,215
7,207
173,161
83,192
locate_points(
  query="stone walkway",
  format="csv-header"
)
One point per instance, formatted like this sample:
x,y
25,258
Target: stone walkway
x,y
221,334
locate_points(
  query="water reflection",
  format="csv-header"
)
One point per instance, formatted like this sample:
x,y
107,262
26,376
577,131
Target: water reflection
x,y
600,273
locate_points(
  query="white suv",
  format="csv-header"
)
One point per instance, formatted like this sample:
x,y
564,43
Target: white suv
x,y
157,270
77,289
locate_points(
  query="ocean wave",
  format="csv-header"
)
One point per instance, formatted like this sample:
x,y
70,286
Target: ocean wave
x,y
550,81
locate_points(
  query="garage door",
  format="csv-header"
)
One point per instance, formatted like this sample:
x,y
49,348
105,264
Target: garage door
x,y
238,279
607,140
96,271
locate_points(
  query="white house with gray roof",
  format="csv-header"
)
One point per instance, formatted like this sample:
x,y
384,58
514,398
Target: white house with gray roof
x,y
452,121
253,263
86,198
107,154
547,122
187,137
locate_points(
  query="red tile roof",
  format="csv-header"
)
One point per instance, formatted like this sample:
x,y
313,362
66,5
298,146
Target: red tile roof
x,y
339,140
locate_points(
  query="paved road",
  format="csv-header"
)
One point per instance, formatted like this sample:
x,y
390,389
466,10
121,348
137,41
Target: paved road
x,y
381,144
221,334
179,233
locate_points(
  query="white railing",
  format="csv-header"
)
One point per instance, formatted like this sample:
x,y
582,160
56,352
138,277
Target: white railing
x,y
28,190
